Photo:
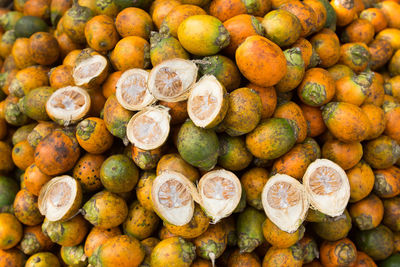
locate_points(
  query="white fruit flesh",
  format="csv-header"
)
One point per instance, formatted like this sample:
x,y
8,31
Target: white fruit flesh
x,y
327,186
131,90
88,69
69,104
219,193
57,197
149,128
172,197
171,80
285,202
205,101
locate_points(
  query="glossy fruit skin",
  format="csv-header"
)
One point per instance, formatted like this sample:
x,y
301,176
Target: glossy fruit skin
x,y
278,136
260,47
275,31
66,233
98,236
120,250
376,243
105,210
138,57
174,251
140,223
43,259
197,146
11,231
26,208
333,230
338,253
197,225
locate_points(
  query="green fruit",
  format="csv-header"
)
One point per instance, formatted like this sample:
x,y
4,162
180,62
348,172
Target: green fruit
x,y
198,146
119,174
330,15
34,103
21,134
334,229
249,229
392,261
9,20
165,47
233,154
377,243
8,189
272,138
74,256
28,25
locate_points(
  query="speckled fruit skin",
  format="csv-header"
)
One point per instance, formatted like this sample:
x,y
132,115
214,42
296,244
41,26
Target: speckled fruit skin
x,y
26,208
105,210
10,231
271,61
87,172
140,223
120,250
57,153
333,230
271,139
13,256
249,229
197,146
116,117
173,251
98,236
337,253
43,259
212,243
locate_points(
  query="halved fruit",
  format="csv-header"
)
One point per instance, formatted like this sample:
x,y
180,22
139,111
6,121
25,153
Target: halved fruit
x,y
327,187
131,90
173,196
68,105
60,198
172,79
91,70
219,193
149,128
285,202
208,102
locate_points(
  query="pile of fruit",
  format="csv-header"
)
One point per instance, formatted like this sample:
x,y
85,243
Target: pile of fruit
x,y
200,133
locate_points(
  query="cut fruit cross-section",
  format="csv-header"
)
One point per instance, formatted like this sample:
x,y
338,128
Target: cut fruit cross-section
x,y
60,198
327,186
68,105
149,128
91,70
172,195
172,79
285,202
219,192
207,103
131,90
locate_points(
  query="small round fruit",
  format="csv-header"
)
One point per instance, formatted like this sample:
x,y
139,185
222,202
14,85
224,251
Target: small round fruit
x,y
338,253
101,34
203,35
93,136
43,259
26,208
131,52
10,231
98,236
43,48
174,251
